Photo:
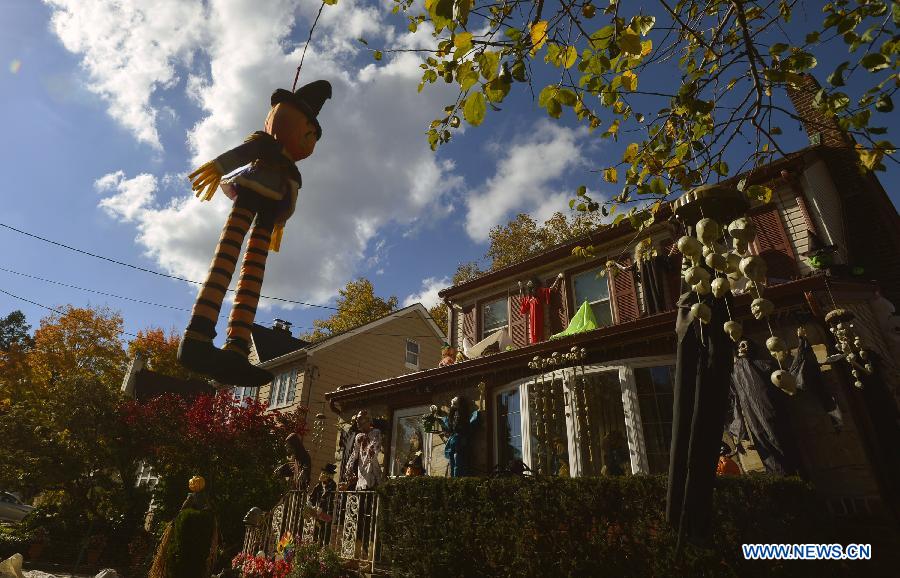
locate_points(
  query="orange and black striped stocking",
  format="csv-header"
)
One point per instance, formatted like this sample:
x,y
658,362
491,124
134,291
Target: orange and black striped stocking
x,y
209,301
249,286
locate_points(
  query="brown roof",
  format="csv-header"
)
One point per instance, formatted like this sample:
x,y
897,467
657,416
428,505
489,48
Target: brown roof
x,y
271,343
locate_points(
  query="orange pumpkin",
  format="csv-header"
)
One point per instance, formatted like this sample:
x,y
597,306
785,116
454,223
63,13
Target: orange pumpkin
x,y
196,484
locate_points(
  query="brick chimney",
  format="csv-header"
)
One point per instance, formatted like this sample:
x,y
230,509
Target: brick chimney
x,y
872,226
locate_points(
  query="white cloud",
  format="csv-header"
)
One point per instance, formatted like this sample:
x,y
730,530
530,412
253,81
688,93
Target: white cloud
x,y
132,196
372,169
129,49
525,178
428,296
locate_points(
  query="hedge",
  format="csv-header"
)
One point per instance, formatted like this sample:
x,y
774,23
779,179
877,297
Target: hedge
x,y
609,526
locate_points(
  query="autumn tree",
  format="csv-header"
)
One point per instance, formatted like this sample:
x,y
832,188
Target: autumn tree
x,y
523,237
14,331
357,305
439,315
160,351
684,83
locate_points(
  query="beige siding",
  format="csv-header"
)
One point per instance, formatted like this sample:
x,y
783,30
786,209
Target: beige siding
x,y
795,225
824,206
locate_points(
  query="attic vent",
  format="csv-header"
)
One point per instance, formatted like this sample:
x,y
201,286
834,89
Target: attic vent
x,y
282,325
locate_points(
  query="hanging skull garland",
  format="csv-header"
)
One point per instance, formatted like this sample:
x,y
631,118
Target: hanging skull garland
x,y
849,345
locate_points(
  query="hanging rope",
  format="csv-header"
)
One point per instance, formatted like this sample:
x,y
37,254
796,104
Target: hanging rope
x,y
302,56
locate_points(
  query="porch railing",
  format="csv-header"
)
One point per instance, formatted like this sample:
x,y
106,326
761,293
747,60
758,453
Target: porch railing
x,y
349,527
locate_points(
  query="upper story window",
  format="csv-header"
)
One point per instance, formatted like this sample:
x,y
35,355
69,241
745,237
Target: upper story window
x,y
494,316
412,354
240,394
284,388
593,288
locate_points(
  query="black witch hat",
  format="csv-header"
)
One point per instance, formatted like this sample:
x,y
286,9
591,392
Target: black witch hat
x,y
309,98
816,245
329,469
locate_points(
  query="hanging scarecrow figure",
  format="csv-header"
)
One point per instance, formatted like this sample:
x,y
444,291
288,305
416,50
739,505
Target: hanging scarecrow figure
x,y
265,195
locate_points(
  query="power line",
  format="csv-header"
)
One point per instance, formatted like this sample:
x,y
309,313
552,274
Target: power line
x,y
53,309
93,290
146,270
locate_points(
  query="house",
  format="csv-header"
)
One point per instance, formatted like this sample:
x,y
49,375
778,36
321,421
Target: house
x,y
601,400
403,342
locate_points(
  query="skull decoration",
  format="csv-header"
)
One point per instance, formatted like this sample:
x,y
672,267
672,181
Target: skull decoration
x,y
708,231
742,231
761,308
775,343
734,263
720,287
734,330
702,287
696,274
690,247
701,311
754,268
784,381
717,262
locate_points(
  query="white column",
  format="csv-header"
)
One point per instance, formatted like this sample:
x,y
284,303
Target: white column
x,y
633,425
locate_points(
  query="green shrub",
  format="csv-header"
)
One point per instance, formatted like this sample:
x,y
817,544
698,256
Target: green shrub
x,y
611,526
192,534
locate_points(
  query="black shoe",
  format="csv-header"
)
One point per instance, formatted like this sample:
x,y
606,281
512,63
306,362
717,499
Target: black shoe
x,y
198,356
232,368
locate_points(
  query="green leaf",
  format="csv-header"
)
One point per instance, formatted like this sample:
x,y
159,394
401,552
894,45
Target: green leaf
x,y
643,24
631,152
658,187
462,10
474,109
812,37
760,193
466,75
630,42
629,81
547,94
721,167
777,48
497,89
836,78
377,55
566,97
874,61
518,71
884,103
441,12
362,41
489,63
570,57
601,38
611,175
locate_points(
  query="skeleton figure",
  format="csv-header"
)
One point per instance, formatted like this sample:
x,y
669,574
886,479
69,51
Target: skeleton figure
x,y
759,411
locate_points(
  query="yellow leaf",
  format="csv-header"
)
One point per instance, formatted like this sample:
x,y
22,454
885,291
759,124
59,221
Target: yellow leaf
x,y
631,152
463,42
611,175
646,47
614,127
538,35
571,56
629,81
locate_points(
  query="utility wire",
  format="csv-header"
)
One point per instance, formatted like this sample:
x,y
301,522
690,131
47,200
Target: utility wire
x,y
53,309
93,290
144,269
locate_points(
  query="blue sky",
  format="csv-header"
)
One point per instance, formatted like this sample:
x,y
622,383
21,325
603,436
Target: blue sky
x,y
105,111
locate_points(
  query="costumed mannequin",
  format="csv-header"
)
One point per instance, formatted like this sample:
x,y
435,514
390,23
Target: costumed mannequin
x,y
265,195
458,426
532,299
296,470
321,498
189,544
364,470
448,355
759,410
652,271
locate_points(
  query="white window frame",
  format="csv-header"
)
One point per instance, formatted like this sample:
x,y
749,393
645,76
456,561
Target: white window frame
x,y
286,386
417,411
523,417
608,300
407,353
634,429
484,331
240,394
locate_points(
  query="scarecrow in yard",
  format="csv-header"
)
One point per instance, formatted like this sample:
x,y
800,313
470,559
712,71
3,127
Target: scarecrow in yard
x,y
264,195
189,544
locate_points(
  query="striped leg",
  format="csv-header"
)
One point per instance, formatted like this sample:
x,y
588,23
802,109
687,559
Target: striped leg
x,y
202,326
249,286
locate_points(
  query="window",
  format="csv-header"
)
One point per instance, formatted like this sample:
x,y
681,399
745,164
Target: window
x,y
593,288
409,442
412,354
655,387
284,388
548,439
240,394
509,427
494,316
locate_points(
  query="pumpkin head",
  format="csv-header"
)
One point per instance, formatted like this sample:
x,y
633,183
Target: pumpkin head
x,y
196,484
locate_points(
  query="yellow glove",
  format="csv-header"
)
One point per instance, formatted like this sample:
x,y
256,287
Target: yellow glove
x,y
206,177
